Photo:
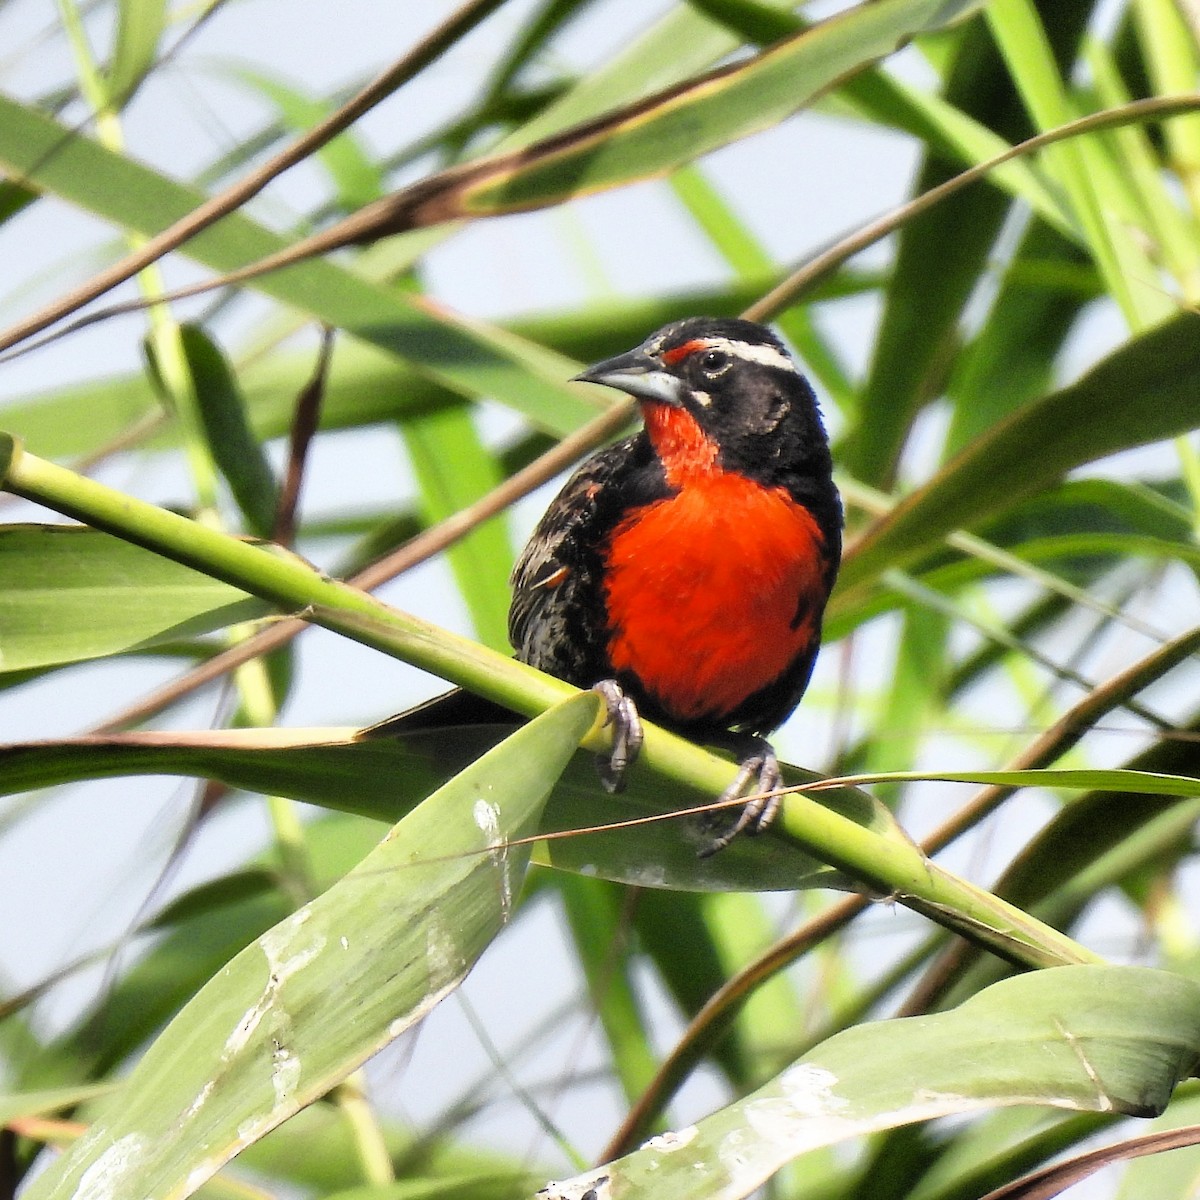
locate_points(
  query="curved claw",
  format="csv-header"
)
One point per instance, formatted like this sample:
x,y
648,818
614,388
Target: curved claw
x,y
627,735
761,769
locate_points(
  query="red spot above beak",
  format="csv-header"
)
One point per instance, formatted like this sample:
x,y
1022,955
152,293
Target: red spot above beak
x,y
678,353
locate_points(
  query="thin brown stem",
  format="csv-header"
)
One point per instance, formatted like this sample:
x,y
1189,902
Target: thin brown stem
x,y
304,427
721,1009
415,551
211,211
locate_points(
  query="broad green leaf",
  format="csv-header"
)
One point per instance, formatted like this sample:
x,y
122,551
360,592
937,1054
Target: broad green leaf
x,y
1085,1038
1092,843
1166,1176
1147,390
1010,361
70,593
752,21
366,385
939,258
597,914
453,468
485,1185
469,357
1168,45
1085,556
14,198
357,179
675,47
194,937
324,989
140,25
1140,783
384,776
1142,195
997,1148
912,702
697,943
318,1151
222,412
1078,164
669,129
36,1104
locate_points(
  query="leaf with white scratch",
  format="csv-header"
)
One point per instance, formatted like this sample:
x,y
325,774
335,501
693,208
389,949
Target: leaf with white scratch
x,y
1088,1038
314,997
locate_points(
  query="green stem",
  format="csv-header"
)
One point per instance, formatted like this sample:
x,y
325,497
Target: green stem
x,y
890,866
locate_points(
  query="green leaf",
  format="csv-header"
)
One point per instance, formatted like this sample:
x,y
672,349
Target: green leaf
x,y
319,993
484,1185
69,593
453,469
366,385
470,357
753,22
194,938
1147,390
382,776
1010,361
597,914
697,942
1078,164
1141,783
357,179
1086,1038
14,198
939,258
222,411
1165,1176
1092,843
665,131
140,26
318,1152
49,1100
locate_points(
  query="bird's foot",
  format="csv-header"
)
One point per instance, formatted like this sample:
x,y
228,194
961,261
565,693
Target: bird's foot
x,y
759,768
627,735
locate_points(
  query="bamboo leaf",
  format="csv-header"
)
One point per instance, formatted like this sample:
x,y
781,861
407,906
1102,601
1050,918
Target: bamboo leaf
x,y
453,469
469,357
37,1104
192,939
68,594
231,442
140,25
323,990
382,776
366,385
940,255
1091,1039
651,137
1147,390
356,177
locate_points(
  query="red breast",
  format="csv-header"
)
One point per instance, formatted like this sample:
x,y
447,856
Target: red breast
x,y
713,592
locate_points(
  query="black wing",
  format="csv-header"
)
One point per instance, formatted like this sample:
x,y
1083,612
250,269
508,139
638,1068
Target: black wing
x,y
557,619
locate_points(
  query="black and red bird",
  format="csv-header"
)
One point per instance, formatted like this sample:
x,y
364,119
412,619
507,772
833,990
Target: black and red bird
x,y
685,569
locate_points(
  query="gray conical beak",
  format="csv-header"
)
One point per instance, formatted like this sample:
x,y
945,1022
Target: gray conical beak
x,y
638,374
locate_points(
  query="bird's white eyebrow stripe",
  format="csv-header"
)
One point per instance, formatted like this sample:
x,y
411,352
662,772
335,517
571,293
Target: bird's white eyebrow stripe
x,y
767,356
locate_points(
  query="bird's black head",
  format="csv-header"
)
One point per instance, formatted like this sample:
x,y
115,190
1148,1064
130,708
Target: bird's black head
x,y
738,383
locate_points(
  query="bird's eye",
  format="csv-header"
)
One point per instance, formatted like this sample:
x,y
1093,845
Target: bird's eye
x,y
713,362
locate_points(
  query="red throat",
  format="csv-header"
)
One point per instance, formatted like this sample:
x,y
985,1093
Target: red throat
x,y
684,449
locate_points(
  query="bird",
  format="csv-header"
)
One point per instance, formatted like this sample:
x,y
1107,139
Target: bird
x,y
683,571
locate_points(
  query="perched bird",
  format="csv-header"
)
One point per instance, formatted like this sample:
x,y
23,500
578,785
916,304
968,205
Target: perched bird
x,y
684,571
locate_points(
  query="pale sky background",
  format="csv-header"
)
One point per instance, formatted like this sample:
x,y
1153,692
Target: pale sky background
x,y
74,874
